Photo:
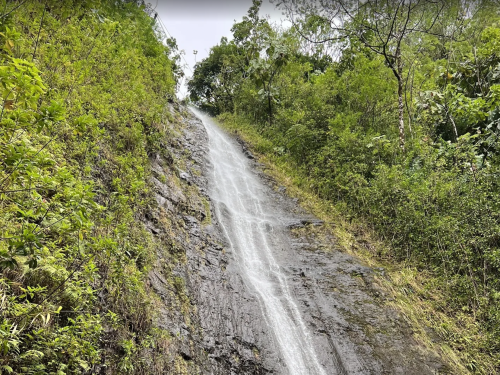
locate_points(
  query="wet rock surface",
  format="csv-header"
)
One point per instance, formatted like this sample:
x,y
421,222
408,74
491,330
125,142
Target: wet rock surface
x,y
217,320
219,328
343,304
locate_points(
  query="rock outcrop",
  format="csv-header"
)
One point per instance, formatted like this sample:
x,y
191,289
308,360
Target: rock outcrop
x,y
216,323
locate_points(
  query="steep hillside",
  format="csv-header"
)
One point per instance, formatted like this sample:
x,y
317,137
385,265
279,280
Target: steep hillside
x,y
86,87
112,260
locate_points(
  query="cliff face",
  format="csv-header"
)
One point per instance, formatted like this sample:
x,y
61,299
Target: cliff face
x,y
217,324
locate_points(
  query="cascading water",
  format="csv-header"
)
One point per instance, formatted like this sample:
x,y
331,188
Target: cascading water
x,y
251,227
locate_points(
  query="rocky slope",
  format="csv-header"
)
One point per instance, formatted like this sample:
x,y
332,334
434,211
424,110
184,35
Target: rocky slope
x,y
216,322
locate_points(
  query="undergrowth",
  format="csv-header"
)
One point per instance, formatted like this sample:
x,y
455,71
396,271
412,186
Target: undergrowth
x,y
84,93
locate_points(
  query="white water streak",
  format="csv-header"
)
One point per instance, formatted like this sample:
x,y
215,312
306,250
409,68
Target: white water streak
x,y
247,219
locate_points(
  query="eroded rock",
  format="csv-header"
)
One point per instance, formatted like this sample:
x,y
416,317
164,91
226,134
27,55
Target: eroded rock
x,y
216,322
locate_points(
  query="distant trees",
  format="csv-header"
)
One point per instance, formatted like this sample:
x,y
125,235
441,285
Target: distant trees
x,y
380,25
256,53
213,81
217,77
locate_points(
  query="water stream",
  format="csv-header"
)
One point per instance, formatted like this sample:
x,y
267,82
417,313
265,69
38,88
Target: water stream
x,y
251,226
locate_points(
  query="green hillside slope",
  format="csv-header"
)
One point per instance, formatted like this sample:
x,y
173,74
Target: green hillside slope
x,y
85,87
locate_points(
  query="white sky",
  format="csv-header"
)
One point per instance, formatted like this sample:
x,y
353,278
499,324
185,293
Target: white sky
x,y
199,25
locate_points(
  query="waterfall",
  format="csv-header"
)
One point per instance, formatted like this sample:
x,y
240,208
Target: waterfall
x,y
251,227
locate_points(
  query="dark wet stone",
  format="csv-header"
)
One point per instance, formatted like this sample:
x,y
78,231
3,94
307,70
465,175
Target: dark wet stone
x,y
302,222
185,176
352,331
249,155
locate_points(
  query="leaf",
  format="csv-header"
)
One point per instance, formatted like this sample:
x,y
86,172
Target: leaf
x,y
9,45
32,262
10,263
83,364
8,369
9,104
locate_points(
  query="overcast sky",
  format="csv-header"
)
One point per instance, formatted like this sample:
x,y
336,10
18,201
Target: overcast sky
x,y
199,25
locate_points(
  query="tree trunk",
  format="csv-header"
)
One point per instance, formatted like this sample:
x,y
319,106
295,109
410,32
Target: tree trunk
x,y
269,102
399,63
454,125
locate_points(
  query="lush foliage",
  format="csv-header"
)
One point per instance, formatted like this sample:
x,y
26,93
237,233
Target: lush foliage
x,y
84,89
435,200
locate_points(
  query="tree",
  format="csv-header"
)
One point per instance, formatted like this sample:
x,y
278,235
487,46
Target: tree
x,y
264,70
213,83
217,78
380,25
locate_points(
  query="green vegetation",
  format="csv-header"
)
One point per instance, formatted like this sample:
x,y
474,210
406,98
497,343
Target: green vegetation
x,y
84,92
398,133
